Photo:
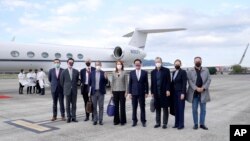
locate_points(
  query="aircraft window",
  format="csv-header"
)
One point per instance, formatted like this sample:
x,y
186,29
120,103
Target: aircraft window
x,y
80,56
45,55
58,55
14,53
69,55
30,54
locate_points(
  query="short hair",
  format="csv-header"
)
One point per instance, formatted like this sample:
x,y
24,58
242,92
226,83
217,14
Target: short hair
x,y
57,60
137,60
21,70
41,69
158,58
70,59
197,57
30,70
177,60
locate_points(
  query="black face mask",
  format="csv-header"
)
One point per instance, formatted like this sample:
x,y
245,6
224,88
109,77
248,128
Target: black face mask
x,y
88,64
198,64
177,67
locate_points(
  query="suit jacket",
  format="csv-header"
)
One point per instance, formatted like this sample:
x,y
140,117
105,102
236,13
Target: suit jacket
x,y
161,100
83,74
102,84
54,81
138,87
206,79
180,81
69,84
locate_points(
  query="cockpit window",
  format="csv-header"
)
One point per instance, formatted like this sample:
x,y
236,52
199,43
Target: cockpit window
x,y
80,56
69,55
45,55
58,55
30,54
14,53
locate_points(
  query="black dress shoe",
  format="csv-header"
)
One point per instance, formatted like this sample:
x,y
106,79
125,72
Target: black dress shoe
x,y
68,120
164,126
157,126
86,119
180,128
203,127
95,123
116,123
134,124
74,120
195,127
122,124
175,127
144,124
101,123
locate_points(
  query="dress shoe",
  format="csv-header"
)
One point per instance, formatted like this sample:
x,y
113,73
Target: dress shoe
x,y
122,124
164,126
101,123
95,123
116,123
86,119
175,127
53,119
134,124
74,120
203,127
144,124
157,126
63,119
195,127
68,120
181,127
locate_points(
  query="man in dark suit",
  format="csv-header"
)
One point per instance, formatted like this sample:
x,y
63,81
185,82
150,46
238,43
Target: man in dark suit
x,y
160,89
138,91
56,89
69,79
179,84
98,81
85,80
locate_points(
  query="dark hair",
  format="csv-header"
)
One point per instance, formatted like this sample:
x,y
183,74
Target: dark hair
x,y
21,70
137,60
30,70
197,57
57,60
41,69
119,61
177,60
70,59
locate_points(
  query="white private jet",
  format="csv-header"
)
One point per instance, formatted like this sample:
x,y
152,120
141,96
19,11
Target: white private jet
x,y
15,56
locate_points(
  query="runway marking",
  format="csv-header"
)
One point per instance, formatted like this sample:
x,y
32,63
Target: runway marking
x,y
4,97
31,126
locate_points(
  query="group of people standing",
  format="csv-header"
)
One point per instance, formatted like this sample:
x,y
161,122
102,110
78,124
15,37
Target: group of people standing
x,y
166,91
33,80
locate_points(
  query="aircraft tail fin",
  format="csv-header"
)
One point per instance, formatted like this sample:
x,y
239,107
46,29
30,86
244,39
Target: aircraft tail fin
x,y
243,56
139,36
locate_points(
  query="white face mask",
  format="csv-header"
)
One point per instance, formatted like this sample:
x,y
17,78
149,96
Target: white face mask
x,y
119,67
158,65
98,67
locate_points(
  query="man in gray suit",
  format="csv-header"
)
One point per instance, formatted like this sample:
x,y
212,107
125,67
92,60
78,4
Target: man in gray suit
x,y
68,80
198,91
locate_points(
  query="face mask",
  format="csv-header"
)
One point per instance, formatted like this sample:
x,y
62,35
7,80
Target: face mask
x,y
198,64
158,65
87,64
119,67
177,67
98,67
57,65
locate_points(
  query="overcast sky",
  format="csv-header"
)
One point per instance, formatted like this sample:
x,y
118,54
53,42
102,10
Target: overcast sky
x,y
217,30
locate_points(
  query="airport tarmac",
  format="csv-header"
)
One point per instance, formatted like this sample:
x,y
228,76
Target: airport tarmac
x,y
27,117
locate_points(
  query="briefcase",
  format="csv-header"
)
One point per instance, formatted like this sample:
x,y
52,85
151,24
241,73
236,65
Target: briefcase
x,y
89,106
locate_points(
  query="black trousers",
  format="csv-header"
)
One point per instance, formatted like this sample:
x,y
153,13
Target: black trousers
x,y
58,96
29,88
20,88
158,116
71,105
85,96
141,100
38,89
120,107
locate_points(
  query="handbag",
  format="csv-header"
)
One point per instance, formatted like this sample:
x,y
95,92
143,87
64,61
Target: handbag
x,y
152,105
111,107
89,106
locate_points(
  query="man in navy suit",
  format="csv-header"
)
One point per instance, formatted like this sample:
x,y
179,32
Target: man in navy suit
x,y
85,77
160,89
56,89
138,91
98,81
